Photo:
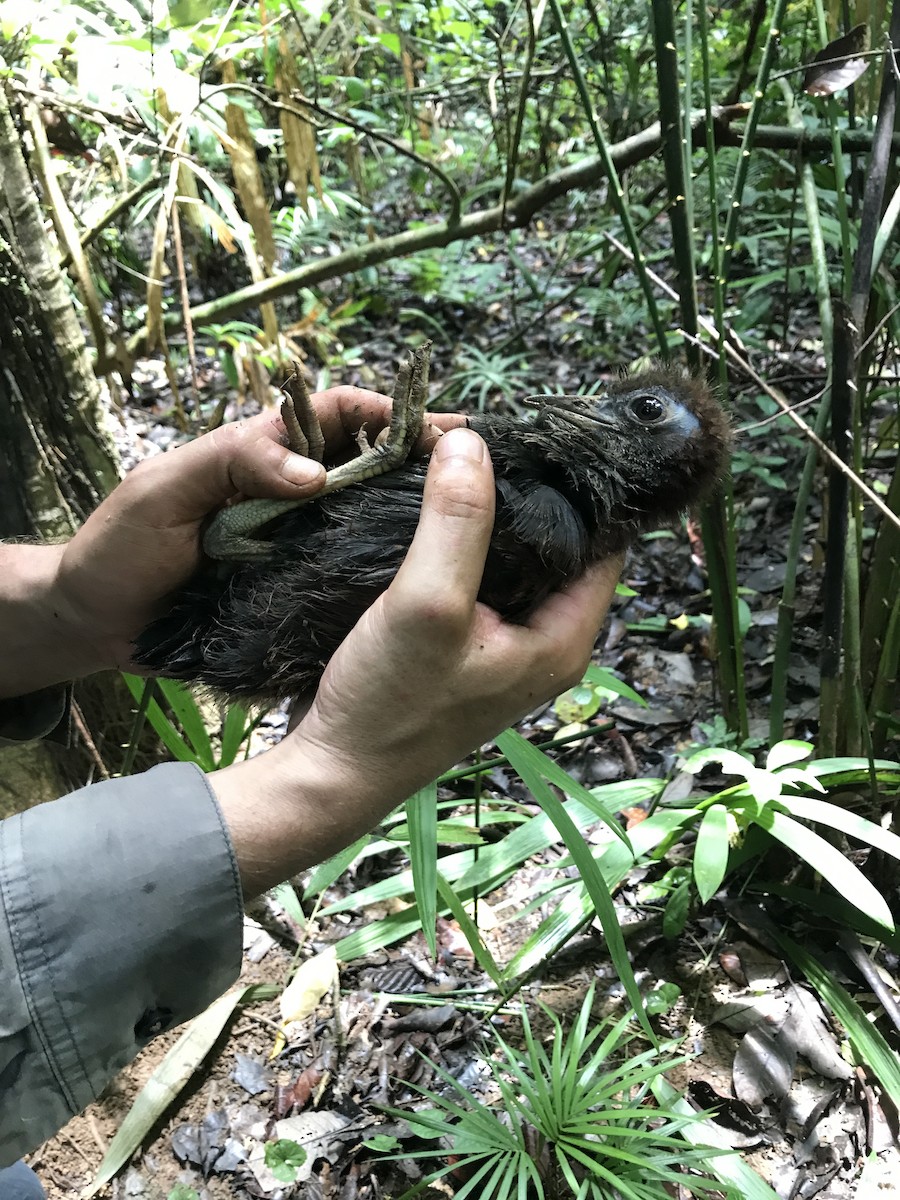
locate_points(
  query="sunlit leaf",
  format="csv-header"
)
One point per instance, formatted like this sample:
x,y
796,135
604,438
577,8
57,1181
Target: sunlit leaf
x,y
787,752
711,851
835,867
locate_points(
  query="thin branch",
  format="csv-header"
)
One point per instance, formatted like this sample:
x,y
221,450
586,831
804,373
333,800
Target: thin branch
x,y
264,97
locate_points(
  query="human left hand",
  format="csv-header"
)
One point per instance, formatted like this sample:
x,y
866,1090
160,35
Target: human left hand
x,y
92,596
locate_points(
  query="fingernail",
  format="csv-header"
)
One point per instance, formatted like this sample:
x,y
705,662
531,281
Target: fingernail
x,y
301,471
460,443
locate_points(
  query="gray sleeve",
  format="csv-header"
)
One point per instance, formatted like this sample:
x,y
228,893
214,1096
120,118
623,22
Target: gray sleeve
x,y
120,917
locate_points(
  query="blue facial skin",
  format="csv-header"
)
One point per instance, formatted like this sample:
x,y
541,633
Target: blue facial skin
x,y
673,417
684,421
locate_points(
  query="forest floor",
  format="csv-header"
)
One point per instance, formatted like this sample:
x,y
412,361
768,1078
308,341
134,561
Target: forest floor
x,y
764,1054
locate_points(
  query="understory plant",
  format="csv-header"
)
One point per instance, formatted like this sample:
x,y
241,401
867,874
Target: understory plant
x,y
572,1117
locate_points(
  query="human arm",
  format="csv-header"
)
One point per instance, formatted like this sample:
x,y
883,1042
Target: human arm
x,y
122,902
71,609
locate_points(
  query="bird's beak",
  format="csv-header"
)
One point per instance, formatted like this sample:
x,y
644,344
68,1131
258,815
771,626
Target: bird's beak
x,y
587,411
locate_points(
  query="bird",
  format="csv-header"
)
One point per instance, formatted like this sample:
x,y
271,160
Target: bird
x,y
576,482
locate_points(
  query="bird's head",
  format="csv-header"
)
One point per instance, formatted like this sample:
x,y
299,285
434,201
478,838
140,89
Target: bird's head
x,y
661,435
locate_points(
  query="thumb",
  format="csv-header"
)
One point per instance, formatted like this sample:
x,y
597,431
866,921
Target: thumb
x,y
442,571
245,457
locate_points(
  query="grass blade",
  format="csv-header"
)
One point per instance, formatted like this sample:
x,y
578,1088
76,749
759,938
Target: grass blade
x,y
421,816
511,744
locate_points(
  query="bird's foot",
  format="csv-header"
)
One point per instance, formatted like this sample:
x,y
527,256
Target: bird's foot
x,y
304,433
229,535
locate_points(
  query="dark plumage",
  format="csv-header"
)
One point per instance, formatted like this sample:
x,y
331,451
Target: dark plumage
x,y
577,483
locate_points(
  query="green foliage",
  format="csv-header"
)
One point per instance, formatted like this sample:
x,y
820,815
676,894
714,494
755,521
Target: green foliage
x,y
572,1119
775,798
283,1158
183,725
485,380
599,687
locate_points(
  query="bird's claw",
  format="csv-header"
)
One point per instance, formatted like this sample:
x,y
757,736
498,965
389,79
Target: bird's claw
x,y
229,535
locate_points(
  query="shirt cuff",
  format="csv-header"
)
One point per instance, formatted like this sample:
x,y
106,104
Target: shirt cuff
x,y
120,918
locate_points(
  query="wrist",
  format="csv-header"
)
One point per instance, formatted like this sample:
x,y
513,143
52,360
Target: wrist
x,y
45,643
291,808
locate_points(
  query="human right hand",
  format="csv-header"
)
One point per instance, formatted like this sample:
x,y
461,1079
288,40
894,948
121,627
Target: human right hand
x,y
426,676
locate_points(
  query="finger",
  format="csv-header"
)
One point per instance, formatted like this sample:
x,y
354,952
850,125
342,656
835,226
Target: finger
x,y
249,458
342,411
574,614
184,485
441,574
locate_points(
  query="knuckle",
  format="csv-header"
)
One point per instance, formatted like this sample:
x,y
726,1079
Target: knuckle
x,y
459,495
443,615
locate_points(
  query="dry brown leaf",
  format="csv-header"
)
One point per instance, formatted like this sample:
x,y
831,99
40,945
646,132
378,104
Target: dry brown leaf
x,y
299,135
248,180
839,65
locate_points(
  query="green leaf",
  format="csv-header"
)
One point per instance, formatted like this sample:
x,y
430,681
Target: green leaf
x,y
189,716
730,1167
235,728
161,724
662,999
840,873
421,815
391,42
787,752
283,1158
356,89
518,751
483,956
540,765
574,907
603,677
333,868
181,1191
286,896
381,1143
847,772
808,808
677,910
711,851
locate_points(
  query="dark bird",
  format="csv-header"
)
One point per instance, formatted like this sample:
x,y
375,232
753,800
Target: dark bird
x,y
577,483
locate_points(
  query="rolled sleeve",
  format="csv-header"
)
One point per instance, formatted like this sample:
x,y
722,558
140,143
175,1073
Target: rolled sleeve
x,y
121,918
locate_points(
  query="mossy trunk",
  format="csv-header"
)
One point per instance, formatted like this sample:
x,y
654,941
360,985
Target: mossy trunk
x,y
57,460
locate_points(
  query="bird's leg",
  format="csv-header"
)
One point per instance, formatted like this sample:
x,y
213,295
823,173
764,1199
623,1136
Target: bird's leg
x,y
304,432
229,535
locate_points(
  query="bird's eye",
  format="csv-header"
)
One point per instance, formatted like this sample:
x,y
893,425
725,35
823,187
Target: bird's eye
x,y
648,409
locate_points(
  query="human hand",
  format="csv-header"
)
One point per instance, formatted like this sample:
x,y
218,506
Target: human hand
x,y
427,675
143,541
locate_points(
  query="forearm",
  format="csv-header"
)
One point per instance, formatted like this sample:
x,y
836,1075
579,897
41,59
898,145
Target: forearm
x,y
42,641
291,808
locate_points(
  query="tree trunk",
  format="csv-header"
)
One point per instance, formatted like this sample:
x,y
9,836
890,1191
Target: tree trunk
x,y
57,460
